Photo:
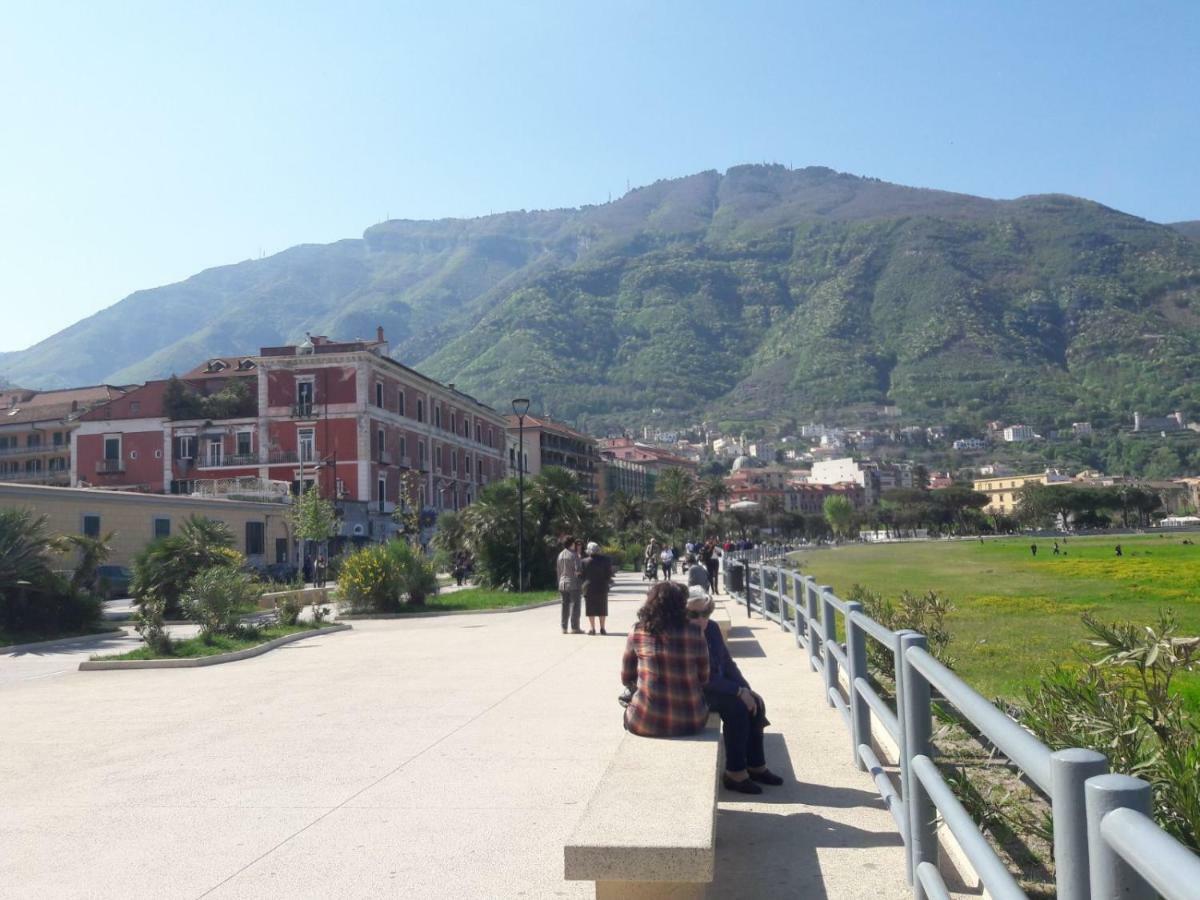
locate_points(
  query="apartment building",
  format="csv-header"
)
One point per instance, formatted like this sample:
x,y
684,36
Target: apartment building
x,y
549,443
35,431
338,415
1002,491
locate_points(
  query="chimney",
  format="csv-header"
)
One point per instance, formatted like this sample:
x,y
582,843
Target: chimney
x,y
450,385
379,333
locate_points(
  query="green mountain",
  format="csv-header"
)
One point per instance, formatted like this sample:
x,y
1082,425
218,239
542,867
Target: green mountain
x,y
760,292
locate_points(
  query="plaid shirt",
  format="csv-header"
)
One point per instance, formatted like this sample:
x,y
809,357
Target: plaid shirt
x,y
670,671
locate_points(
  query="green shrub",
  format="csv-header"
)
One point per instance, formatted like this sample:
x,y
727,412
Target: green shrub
x,y
149,625
1122,705
287,608
165,567
925,613
382,577
214,599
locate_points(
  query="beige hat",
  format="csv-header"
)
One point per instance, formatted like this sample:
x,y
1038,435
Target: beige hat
x,y
699,601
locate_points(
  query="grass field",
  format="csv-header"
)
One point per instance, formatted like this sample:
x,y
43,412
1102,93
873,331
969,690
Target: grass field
x,y
480,598
1017,614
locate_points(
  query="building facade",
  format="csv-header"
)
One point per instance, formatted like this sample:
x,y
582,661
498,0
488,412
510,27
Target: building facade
x,y
35,431
625,477
548,443
1003,496
342,417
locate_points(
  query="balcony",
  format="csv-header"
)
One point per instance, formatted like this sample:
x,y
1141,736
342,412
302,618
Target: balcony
x,y
59,477
36,448
109,466
244,459
385,458
303,410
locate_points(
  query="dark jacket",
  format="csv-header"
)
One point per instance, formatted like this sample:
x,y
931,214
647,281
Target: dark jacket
x,y
724,676
596,573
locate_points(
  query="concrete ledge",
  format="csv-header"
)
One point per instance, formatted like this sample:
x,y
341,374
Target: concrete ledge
x,y
650,827
61,642
447,612
103,665
308,597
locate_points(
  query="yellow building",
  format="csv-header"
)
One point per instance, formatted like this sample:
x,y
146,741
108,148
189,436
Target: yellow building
x,y
260,530
1002,490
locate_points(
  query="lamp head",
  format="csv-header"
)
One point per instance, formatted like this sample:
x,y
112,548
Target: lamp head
x,y
520,406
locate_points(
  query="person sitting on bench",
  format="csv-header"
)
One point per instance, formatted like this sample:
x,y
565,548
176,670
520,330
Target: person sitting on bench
x,y
666,665
743,713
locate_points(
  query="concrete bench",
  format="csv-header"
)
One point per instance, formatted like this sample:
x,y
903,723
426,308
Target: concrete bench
x,y
307,597
649,831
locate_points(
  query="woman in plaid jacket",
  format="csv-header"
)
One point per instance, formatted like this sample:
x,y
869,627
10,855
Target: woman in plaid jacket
x,y
666,663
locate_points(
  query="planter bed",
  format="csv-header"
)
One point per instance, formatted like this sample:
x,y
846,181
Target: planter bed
x,y
190,662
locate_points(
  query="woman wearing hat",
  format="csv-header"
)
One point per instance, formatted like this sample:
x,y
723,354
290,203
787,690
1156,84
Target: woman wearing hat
x,y
597,575
743,714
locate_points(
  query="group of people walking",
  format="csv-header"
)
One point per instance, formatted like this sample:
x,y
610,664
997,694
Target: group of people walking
x,y
705,554
677,670
584,574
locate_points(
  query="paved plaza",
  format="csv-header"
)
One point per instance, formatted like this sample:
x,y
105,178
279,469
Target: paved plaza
x,y
434,757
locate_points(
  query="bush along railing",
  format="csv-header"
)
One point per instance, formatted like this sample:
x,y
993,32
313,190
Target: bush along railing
x,y
1105,843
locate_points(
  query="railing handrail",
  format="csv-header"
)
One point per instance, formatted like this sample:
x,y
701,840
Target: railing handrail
x,y
1110,848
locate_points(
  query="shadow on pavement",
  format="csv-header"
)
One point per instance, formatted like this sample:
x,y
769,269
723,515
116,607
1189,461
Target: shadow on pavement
x,y
99,643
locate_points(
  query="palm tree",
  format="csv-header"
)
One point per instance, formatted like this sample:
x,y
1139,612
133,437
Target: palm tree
x,y
678,500
92,554
624,511
25,543
714,490
164,568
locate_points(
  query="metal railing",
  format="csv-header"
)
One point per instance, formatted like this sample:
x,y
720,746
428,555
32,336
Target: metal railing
x,y
109,466
1105,844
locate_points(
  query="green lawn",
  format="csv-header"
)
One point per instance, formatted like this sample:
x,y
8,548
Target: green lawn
x,y
195,647
1017,614
480,598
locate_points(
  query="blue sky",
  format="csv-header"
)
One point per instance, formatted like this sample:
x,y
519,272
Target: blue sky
x,y
142,144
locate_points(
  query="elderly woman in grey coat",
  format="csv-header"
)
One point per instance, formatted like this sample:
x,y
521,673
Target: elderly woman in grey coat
x,y
597,576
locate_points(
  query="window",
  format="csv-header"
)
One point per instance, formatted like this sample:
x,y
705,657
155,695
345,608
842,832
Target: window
x,y
421,453
381,493
304,397
185,447
256,535
479,469
381,443
33,440
437,456
403,447
162,527
112,449
400,402
215,451
58,439
133,454
158,454
281,550
453,426
91,525
512,457
135,407
306,439
243,443
379,394
437,416
491,436
478,433
420,410
454,461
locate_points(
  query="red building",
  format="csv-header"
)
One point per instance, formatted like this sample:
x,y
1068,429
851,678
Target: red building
x,y
342,416
762,484
654,459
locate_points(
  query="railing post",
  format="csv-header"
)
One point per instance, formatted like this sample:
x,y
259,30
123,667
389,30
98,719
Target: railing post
x,y
856,656
762,589
780,593
798,595
918,732
810,612
1111,876
828,639
902,743
1069,769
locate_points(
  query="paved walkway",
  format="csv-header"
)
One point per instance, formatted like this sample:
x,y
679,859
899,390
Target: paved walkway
x,y
434,757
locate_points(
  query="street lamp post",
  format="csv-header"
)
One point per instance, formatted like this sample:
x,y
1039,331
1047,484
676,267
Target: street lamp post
x,y
520,407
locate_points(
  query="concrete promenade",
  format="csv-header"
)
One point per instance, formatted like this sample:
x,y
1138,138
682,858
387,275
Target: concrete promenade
x,y
433,757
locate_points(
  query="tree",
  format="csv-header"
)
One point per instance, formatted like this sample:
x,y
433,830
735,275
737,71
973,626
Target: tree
x,y
714,490
678,501
407,513
313,518
624,511
92,554
839,513
164,568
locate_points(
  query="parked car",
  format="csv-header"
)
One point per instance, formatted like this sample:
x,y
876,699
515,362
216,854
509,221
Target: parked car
x,y
112,582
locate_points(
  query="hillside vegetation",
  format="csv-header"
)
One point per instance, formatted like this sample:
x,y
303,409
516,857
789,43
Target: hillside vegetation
x,y
760,291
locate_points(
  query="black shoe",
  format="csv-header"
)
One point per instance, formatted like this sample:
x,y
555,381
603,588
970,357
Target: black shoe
x,y
602,631
742,787
576,631
591,631
564,631
766,776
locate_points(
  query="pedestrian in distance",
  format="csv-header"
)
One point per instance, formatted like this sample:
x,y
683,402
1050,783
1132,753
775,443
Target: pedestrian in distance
x,y
1056,551
567,569
597,574
319,569
1119,553
1033,549
697,575
650,561
666,558
710,559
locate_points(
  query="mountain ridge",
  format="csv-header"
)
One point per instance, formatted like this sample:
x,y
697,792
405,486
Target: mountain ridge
x,y
806,291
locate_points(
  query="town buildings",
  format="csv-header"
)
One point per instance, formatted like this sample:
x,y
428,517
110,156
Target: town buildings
x,y
549,443
632,479
873,477
774,486
655,459
1173,422
35,431
1018,433
340,416
1002,491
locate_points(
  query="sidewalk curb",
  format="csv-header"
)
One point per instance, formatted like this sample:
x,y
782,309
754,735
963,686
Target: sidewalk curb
x,y
448,612
61,642
105,665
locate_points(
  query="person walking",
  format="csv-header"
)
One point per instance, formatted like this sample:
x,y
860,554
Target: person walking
x,y
697,575
711,561
319,571
597,574
666,558
650,560
567,568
